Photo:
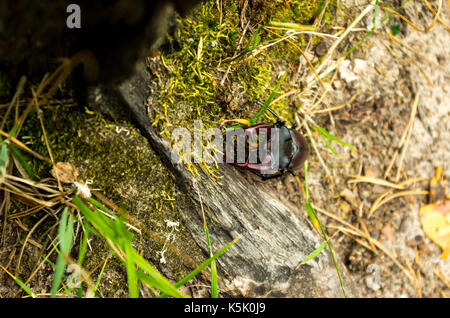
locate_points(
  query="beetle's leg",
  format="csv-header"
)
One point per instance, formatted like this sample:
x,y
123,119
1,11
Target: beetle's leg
x,y
260,103
292,172
294,126
274,175
279,123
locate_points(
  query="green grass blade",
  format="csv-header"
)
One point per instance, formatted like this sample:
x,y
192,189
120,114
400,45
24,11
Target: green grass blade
x,y
312,212
329,136
65,235
97,283
154,278
99,205
263,109
201,267
22,285
156,284
97,219
214,292
23,161
131,272
83,243
328,145
254,40
373,30
375,14
118,234
123,239
27,289
314,253
291,25
4,160
235,127
214,285
15,128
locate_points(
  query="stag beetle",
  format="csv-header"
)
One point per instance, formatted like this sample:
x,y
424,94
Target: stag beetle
x,y
292,149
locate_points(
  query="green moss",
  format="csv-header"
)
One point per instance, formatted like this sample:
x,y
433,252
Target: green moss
x,y
299,11
119,162
190,78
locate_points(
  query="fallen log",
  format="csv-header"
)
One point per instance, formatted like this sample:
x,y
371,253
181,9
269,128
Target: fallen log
x,y
275,235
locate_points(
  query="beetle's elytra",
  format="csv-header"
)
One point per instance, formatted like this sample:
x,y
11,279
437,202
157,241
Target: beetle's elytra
x,y
281,150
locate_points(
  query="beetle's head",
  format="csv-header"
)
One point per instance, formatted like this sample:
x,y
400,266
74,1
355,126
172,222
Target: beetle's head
x,y
293,149
299,150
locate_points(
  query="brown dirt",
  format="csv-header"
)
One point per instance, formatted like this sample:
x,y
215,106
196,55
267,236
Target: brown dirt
x,y
386,85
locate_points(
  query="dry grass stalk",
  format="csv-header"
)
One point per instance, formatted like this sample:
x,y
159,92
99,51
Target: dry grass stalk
x,y
376,205
415,51
313,143
355,231
26,240
381,182
436,16
406,136
416,278
403,139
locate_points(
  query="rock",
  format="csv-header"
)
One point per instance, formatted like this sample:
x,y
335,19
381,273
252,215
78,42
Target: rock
x,y
351,197
337,84
359,66
372,172
322,47
373,281
345,72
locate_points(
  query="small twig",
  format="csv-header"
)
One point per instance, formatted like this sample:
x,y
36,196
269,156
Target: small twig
x,y
396,195
235,54
330,109
23,146
311,109
26,240
408,134
14,101
375,242
415,51
404,136
384,183
317,151
243,10
41,120
364,227
415,278
430,82
342,37
295,91
436,16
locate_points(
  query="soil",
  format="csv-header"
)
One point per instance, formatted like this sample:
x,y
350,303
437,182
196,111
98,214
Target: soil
x,y
388,78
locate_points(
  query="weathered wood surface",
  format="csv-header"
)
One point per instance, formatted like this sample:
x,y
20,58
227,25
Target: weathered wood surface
x,y
276,236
